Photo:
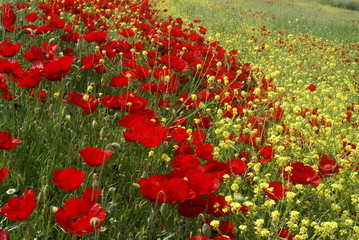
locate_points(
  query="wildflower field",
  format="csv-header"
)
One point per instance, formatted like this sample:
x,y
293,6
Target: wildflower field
x,y
179,119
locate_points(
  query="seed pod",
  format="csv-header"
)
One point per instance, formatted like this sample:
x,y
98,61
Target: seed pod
x,y
164,209
94,222
115,146
206,230
94,124
54,209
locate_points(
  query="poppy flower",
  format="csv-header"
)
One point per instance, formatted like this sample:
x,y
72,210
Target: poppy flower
x,y
31,17
267,153
300,174
204,238
97,37
312,87
57,68
3,174
183,161
29,79
7,142
147,132
8,20
205,151
119,81
276,191
9,49
19,208
95,156
86,101
170,188
179,134
193,207
200,181
218,206
128,101
327,165
69,179
80,216
4,235
92,194
238,166
10,66
199,137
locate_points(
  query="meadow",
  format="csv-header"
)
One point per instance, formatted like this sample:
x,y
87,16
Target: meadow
x,y
178,119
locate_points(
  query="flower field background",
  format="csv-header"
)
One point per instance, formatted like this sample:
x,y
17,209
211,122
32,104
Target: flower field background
x,y
193,120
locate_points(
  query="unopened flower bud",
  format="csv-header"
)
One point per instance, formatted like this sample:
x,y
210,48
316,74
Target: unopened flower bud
x,y
206,230
94,222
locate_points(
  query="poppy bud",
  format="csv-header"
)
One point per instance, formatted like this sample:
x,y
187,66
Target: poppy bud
x,y
94,222
136,185
50,108
206,230
96,184
164,209
94,124
46,190
54,209
63,112
102,133
239,198
94,176
115,146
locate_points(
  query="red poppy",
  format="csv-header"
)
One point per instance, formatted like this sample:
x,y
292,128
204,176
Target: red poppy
x,y
29,79
327,165
300,174
31,17
276,191
3,174
80,216
10,66
312,87
227,228
179,134
135,118
93,61
238,166
40,94
95,156
4,235
19,208
46,52
86,101
205,151
119,81
193,207
7,142
170,188
57,68
199,137
97,37
267,153
128,101
284,234
9,49
200,181
8,20
92,194
69,179
147,132
204,238
217,205
183,161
